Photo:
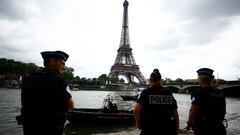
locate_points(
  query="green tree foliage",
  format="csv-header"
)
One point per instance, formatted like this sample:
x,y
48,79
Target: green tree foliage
x,y
10,67
103,78
168,80
76,80
114,80
179,80
68,74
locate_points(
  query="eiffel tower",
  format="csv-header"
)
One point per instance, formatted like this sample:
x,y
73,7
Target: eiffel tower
x,y
125,64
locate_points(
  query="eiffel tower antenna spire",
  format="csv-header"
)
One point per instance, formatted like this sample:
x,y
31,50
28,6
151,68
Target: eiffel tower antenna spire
x,y
124,63
125,31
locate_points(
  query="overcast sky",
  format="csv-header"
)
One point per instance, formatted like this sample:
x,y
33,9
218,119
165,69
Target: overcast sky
x,y
176,36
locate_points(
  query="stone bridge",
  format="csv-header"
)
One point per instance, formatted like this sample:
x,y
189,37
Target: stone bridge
x,y
229,89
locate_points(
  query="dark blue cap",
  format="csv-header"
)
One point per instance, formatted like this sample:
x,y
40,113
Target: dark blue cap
x,y
207,72
156,74
54,54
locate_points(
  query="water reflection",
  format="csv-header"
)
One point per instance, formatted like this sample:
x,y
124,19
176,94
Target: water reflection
x,y
10,108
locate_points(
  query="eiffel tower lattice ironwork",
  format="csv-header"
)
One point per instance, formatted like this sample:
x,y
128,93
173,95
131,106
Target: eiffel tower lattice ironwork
x,y
125,64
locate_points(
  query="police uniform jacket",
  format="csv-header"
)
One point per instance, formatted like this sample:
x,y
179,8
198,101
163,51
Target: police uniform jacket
x,y
212,106
158,104
44,99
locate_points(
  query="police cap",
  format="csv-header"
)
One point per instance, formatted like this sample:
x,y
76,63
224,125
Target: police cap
x,y
54,54
205,72
156,74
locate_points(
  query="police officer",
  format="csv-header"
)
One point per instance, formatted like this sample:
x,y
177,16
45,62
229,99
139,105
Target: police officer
x,y
44,97
156,109
208,107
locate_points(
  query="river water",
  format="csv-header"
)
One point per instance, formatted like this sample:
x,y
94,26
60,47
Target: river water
x,y
10,107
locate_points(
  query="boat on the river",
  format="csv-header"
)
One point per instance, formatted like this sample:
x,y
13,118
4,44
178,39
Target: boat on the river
x,y
129,98
108,114
132,97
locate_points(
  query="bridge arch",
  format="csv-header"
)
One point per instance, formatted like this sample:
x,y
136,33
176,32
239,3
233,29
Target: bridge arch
x,y
190,89
232,91
173,89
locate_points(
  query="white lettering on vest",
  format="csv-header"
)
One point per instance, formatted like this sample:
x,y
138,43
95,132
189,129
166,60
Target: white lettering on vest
x,y
160,99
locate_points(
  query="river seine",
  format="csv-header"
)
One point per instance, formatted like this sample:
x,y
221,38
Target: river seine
x,y
10,104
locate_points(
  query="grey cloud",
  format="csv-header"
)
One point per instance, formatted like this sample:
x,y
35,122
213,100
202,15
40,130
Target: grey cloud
x,y
25,9
10,52
12,9
205,9
201,32
9,49
201,21
208,9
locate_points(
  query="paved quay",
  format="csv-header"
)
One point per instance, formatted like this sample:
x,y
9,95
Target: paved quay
x,y
137,132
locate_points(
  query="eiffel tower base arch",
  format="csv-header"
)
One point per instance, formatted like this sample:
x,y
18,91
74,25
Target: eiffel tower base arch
x,y
128,71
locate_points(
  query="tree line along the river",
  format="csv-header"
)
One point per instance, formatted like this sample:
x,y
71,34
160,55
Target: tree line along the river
x,y
13,70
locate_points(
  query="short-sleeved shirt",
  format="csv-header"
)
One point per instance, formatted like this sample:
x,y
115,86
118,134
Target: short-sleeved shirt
x,y
211,103
44,98
158,104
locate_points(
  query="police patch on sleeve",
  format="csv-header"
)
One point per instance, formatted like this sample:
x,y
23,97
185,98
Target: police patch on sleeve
x,y
160,99
138,96
193,99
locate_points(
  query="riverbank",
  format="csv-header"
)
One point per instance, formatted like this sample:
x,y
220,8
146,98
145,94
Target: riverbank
x,y
137,132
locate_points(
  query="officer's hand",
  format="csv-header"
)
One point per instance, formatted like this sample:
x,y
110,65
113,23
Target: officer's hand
x,y
188,127
138,126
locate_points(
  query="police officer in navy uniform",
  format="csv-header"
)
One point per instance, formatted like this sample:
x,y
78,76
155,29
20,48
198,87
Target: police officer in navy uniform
x,y
156,112
208,107
45,100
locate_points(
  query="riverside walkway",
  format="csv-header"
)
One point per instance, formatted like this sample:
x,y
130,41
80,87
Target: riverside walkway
x,y
137,132
233,119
